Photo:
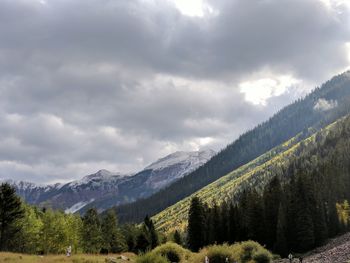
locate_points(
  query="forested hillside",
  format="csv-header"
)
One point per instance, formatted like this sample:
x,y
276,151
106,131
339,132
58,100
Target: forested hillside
x,y
305,202
318,109
254,175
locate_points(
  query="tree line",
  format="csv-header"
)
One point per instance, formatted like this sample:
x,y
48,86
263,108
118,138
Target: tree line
x,y
29,229
304,204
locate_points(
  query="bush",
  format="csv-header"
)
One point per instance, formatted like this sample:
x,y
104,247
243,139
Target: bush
x,y
254,251
151,258
249,248
262,257
218,254
173,252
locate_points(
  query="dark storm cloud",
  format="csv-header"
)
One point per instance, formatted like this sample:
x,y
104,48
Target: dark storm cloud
x,y
90,84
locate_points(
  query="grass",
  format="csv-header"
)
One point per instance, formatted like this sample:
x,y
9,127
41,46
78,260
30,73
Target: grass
x,y
245,252
81,258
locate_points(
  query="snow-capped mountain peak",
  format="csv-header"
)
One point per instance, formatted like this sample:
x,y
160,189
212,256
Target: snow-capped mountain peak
x,y
194,157
102,176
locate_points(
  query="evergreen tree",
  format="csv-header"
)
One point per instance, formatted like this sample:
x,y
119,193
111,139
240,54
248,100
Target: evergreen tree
x,y
152,233
272,197
255,215
214,224
112,238
91,232
130,233
10,211
196,225
142,242
224,223
281,245
177,237
304,228
232,224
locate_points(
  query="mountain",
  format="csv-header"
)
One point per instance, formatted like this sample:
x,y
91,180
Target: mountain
x,y
153,178
318,109
104,189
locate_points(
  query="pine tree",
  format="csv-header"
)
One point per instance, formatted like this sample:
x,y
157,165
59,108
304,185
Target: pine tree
x,y
214,224
304,225
142,242
281,245
255,215
10,211
177,237
224,223
232,224
272,197
91,232
152,233
196,225
113,240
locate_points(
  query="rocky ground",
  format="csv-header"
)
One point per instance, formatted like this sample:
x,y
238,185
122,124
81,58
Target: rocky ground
x,y
337,250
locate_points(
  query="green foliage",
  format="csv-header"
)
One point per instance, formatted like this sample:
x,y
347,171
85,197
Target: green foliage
x,y
27,239
173,252
91,232
247,251
151,258
177,237
302,208
151,232
113,240
218,254
142,242
196,225
10,211
253,251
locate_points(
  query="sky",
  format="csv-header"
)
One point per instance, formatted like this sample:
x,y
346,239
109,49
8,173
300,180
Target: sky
x,y
116,84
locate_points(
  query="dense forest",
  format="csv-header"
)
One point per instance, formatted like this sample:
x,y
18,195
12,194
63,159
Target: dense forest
x,y
28,229
293,119
305,203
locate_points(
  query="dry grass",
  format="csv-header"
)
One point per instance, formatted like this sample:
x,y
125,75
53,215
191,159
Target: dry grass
x,y
82,258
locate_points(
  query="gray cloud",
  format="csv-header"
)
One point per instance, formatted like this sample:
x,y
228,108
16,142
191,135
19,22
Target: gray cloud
x,y
97,84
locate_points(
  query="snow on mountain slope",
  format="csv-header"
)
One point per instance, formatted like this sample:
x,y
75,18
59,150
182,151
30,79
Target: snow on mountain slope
x,y
97,179
196,158
76,207
105,189
176,165
154,177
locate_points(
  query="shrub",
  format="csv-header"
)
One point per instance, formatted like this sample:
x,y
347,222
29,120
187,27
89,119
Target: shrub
x,y
253,251
249,248
151,258
173,252
217,254
262,257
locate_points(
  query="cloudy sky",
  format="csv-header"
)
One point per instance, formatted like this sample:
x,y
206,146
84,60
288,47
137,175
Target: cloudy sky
x,y
116,84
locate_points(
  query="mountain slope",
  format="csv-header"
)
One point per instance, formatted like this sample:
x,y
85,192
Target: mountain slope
x,y
256,174
154,177
321,107
105,189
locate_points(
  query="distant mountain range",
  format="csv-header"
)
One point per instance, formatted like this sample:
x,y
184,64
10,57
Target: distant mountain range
x,y
105,189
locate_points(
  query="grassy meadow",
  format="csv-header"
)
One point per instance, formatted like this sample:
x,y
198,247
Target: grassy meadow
x,y
81,258
243,252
